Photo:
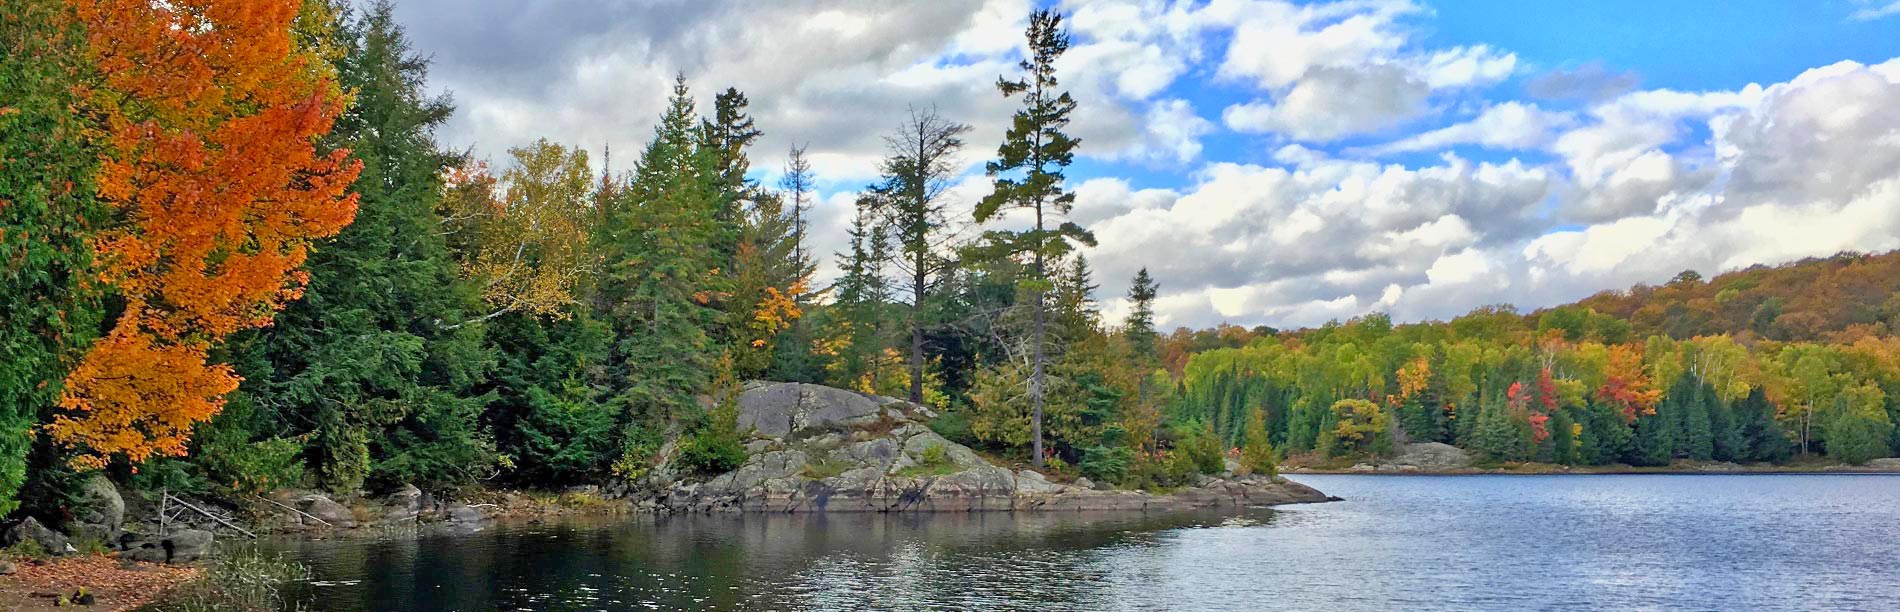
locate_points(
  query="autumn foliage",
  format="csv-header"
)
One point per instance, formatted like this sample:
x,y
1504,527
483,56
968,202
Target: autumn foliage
x,y
210,112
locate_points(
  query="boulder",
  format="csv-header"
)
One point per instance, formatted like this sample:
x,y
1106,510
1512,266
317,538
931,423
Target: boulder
x,y
99,510
778,410
405,504
1432,456
182,546
7,568
465,516
31,529
322,507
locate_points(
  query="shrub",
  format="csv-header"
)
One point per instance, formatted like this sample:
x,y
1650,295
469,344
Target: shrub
x,y
1106,463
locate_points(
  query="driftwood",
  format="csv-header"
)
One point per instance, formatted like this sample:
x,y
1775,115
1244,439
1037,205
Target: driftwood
x,y
164,519
299,512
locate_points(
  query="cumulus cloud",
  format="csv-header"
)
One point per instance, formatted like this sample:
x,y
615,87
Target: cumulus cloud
x,y
1341,69
1507,126
1807,167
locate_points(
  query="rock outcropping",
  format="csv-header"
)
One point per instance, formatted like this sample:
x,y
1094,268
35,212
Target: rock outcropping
x,y
820,449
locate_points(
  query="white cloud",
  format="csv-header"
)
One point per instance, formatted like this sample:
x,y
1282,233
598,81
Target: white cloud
x,y
1875,9
1506,126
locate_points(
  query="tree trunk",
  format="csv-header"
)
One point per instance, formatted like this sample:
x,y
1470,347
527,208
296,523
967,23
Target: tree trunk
x,y
1035,379
917,339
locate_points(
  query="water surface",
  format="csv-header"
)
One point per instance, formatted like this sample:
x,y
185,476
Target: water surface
x,y
1635,542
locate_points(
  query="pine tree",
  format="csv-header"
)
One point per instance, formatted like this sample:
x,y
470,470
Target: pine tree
x,y
1028,175
1761,435
1073,303
919,164
1140,326
796,184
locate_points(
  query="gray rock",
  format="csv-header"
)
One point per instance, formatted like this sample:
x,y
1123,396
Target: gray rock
x,y
465,516
337,515
1085,483
815,449
31,529
182,546
1889,463
405,504
778,410
100,510
1432,456
7,568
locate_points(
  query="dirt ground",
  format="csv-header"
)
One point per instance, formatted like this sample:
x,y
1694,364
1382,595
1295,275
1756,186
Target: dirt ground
x,y
114,587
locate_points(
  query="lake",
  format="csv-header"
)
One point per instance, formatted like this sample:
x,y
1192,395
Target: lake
x,y
1627,542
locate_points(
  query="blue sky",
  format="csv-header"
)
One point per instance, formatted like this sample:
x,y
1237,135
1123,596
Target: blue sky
x,y
1282,162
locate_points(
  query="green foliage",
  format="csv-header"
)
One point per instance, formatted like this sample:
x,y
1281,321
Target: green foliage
x,y
49,310
1196,450
714,447
1108,464
1258,455
1856,429
954,425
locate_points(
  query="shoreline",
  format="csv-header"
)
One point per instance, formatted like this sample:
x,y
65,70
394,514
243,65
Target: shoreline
x,y
1597,471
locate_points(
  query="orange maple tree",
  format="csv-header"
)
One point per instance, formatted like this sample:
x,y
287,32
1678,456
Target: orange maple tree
x,y
210,112
1625,386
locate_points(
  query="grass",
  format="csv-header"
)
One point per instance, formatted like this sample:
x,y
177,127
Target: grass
x,y
822,467
934,461
243,581
26,549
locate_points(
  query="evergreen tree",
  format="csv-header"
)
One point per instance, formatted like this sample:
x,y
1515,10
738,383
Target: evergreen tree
x,y
1687,405
796,185
1073,302
369,353
1654,442
1761,435
660,280
919,164
1140,326
1028,175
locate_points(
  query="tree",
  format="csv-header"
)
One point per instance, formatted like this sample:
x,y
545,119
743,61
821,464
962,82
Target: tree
x,y
1358,427
919,163
1857,427
1761,434
1140,326
522,237
660,281
1028,175
49,309
369,353
218,188
797,186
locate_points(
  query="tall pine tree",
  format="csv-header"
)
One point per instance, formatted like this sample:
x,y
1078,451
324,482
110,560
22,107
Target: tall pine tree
x,y
1028,176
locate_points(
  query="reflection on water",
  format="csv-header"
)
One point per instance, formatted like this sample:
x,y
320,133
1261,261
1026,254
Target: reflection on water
x,y
1415,543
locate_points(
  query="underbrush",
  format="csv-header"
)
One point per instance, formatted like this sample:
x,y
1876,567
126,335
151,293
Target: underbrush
x,y
247,581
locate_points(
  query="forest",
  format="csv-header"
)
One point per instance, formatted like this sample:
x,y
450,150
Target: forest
x,y
238,260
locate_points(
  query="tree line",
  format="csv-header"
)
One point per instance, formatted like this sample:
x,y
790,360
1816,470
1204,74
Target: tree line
x,y
240,260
